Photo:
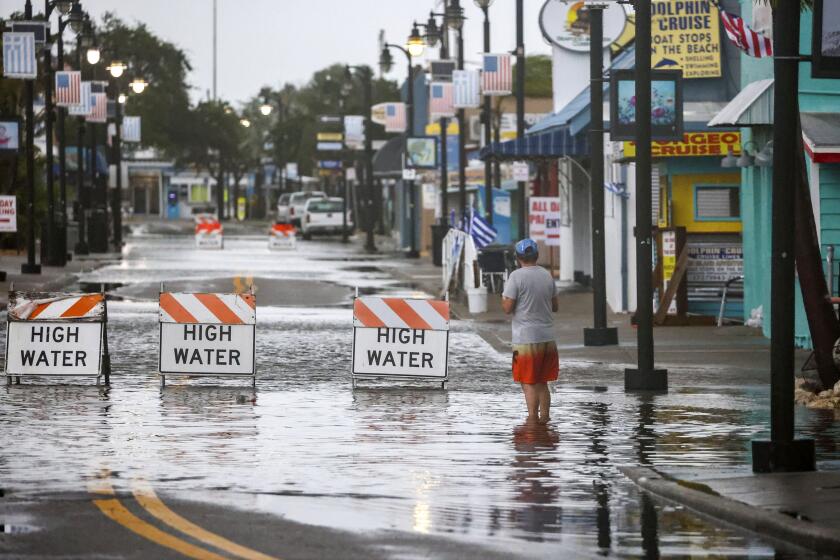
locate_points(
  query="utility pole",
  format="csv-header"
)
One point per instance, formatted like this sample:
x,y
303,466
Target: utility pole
x,y
62,162
600,334
488,164
80,207
367,94
644,377
782,452
520,110
52,259
462,141
30,267
116,201
413,253
215,48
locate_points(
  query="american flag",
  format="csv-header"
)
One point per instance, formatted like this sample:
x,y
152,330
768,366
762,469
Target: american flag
x,y
130,130
497,75
68,88
82,109
466,84
440,100
752,43
98,108
395,120
19,56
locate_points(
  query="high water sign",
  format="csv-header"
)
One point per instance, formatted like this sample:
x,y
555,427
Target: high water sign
x,y
685,35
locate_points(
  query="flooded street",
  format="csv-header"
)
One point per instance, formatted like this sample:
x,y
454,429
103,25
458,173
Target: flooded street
x,y
455,466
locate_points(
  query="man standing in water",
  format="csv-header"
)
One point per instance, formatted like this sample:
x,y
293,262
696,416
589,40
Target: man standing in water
x,y
531,296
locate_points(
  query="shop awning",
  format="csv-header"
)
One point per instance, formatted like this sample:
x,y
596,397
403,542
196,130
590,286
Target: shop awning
x,y
752,106
821,136
388,160
548,145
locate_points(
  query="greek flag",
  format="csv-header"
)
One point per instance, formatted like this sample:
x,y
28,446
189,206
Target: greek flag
x,y
130,131
19,57
467,85
483,234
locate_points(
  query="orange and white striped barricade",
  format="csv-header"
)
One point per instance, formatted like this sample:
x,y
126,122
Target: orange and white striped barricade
x,y
208,233
207,334
282,236
55,334
401,338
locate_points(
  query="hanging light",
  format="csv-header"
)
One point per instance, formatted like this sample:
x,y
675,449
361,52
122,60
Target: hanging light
x,y
454,16
64,6
266,107
483,4
138,85
764,158
386,61
117,68
245,122
122,98
729,160
415,44
745,159
76,18
432,31
93,55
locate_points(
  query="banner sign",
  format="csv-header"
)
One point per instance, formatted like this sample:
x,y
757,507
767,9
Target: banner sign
x,y
544,219
693,144
825,39
400,337
329,146
20,59
666,105
9,136
55,334
8,213
685,35
566,24
354,132
421,152
714,262
330,137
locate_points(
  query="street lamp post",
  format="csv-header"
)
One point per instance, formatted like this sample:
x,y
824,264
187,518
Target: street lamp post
x,y
599,334
454,18
433,34
80,208
520,110
30,267
488,164
366,76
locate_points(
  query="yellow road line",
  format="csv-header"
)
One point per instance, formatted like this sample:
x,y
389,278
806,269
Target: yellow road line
x,y
147,498
113,509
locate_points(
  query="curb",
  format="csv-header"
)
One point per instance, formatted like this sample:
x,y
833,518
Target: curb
x,y
758,520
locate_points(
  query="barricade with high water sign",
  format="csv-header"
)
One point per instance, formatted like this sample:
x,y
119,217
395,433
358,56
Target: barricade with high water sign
x,y
56,334
207,334
208,232
400,338
281,236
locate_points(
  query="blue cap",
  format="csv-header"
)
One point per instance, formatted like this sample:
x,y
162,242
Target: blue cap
x,y
527,248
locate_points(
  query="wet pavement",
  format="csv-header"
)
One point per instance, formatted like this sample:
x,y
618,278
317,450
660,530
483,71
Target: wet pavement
x,y
399,471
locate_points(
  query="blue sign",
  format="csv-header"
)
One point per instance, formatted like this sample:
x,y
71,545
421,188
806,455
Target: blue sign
x,y
329,164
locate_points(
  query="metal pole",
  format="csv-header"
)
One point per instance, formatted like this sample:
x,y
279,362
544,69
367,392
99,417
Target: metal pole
x,y
599,335
370,240
215,49
488,165
62,164
444,174
29,267
645,377
81,247
50,240
413,253
520,111
782,452
462,140
116,201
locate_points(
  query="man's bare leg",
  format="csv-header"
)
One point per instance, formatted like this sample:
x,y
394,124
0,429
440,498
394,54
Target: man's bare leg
x,y
532,399
544,399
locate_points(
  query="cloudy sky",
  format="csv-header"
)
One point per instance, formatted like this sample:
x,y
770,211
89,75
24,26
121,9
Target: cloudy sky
x,y
269,42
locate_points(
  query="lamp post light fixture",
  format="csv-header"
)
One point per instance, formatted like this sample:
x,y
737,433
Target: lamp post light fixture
x,y
386,61
138,85
117,68
245,122
433,33
266,107
454,15
415,44
93,54
76,18
122,98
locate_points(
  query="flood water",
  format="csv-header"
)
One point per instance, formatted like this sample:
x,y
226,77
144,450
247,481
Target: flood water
x,y
457,464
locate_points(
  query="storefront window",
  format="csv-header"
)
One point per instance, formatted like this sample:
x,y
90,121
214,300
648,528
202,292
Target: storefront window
x,y
717,203
199,194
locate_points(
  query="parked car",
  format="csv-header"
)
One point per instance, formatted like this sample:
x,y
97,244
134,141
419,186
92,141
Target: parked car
x,y
297,201
283,208
323,216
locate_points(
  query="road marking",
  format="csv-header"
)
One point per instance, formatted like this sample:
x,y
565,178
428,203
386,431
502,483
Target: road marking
x,y
113,509
147,498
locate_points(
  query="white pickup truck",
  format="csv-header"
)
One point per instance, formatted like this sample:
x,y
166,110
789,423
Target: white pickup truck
x,y
323,216
297,203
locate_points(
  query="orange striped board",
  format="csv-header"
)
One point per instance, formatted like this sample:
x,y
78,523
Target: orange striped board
x,y
281,236
401,313
206,308
58,307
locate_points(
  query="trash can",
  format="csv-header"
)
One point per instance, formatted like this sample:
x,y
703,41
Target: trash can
x,y
477,300
98,232
438,233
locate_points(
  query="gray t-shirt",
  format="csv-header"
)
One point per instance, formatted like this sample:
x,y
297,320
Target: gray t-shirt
x,y
532,287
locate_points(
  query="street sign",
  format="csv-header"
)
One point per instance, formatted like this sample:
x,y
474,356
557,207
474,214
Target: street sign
x,y
55,334
329,137
207,334
329,119
400,338
208,232
37,28
329,146
281,236
544,219
8,213
520,171
329,164
409,174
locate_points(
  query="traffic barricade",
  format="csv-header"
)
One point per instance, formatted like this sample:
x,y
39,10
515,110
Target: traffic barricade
x,y
400,338
207,334
282,236
208,232
56,334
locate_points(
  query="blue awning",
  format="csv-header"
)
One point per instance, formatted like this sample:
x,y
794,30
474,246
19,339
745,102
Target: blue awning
x,y
548,145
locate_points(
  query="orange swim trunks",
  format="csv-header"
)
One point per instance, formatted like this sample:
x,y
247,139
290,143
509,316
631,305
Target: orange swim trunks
x,y
535,363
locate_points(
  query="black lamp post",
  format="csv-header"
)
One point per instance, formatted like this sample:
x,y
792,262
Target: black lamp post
x,y
485,114
433,34
520,109
454,18
366,76
415,47
84,39
30,267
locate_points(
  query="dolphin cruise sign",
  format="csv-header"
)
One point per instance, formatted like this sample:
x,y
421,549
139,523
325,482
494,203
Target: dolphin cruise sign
x,y
685,35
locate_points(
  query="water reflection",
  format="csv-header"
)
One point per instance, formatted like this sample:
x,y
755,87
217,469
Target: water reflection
x,y
533,480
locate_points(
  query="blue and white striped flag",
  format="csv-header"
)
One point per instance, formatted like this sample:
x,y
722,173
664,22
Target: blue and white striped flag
x,y
83,108
483,234
467,86
19,56
130,130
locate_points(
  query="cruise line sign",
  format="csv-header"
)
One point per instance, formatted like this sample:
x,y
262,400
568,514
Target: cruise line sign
x,y
685,35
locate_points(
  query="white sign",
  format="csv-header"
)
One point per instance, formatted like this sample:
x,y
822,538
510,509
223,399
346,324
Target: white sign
x,y
430,196
409,174
206,348
53,348
565,23
400,352
291,171
544,219
204,240
8,213
520,171
501,205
